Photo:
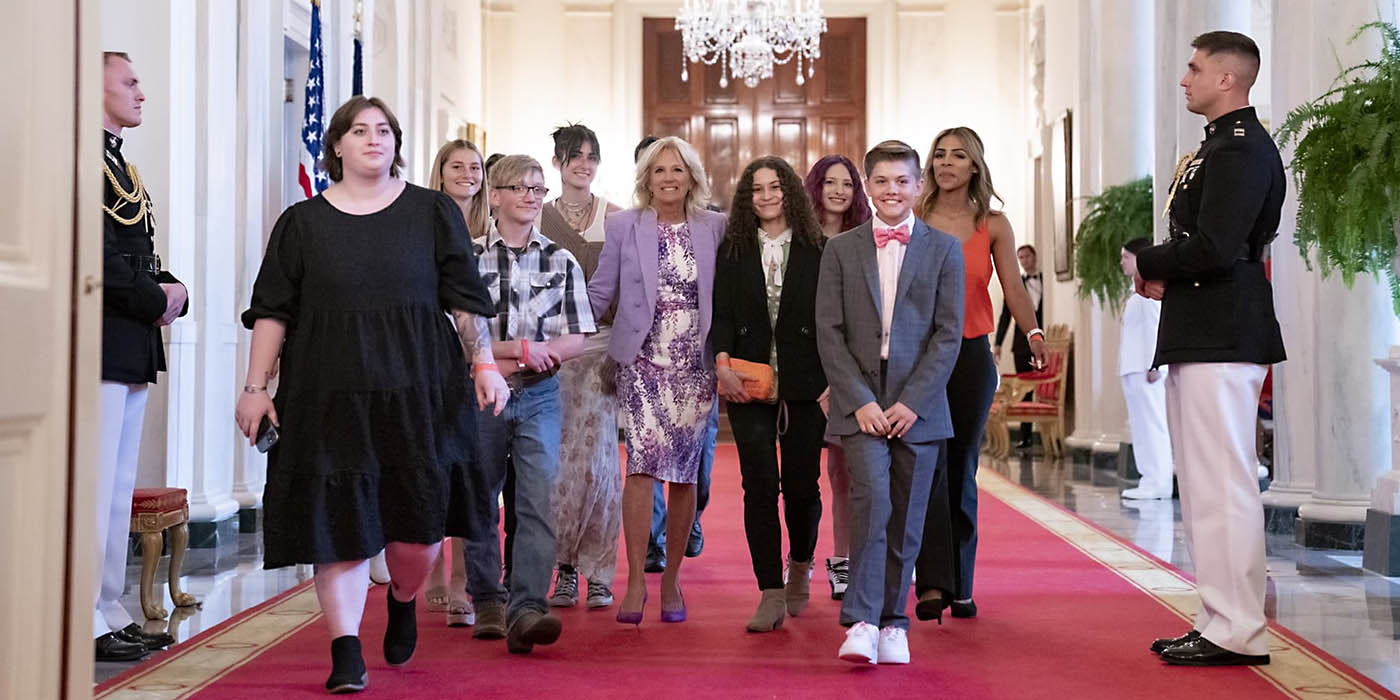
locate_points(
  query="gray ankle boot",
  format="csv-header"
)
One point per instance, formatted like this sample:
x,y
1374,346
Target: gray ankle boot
x,y
799,584
770,612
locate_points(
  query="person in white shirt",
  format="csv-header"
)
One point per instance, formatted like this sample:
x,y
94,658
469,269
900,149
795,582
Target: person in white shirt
x,y
1143,387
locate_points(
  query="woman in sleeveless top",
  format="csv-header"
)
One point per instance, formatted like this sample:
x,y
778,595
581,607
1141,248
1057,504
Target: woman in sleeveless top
x,y
958,200
834,187
588,491
458,172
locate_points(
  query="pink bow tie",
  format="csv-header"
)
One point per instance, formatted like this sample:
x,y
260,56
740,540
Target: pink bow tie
x,y
885,235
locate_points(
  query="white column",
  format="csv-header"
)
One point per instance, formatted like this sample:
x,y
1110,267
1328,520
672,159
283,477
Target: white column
x,y
214,148
1116,150
260,172
1352,442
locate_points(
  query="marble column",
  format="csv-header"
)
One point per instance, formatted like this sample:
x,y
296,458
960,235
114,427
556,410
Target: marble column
x,y
214,159
1118,150
1295,294
1351,443
260,175
1382,553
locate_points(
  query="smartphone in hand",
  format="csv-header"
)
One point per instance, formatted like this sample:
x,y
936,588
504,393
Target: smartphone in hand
x,y
267,435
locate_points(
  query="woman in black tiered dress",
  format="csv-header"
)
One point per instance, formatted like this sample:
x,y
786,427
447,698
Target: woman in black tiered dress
x,y
373,407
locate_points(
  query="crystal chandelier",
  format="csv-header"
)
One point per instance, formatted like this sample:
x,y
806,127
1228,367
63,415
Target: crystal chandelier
x,y
748,37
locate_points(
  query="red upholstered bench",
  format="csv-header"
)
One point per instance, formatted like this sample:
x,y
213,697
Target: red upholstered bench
x,y
155,512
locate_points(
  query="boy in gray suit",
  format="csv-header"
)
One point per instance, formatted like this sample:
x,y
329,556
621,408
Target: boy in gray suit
x,y
889,324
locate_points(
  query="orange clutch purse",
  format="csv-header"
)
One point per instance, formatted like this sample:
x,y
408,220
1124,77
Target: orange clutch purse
x,y
759,380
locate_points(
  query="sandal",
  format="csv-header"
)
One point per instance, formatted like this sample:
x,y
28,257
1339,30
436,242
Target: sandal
x,y
437,599
460,613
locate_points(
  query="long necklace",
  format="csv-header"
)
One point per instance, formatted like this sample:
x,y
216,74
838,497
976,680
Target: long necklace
x,y
577,216
137,195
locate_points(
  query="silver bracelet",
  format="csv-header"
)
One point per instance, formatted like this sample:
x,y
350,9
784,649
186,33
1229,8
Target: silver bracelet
x,y
1034,332
252,389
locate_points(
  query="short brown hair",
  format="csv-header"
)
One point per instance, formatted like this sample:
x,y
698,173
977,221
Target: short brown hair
x,y
109,55
1232,43
892,150
340,125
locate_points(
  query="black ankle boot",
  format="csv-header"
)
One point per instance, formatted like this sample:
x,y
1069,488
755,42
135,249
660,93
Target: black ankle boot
x,y
401,634
348,674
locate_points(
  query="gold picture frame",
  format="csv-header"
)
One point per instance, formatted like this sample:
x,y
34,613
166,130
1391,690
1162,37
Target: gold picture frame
x,y
474,133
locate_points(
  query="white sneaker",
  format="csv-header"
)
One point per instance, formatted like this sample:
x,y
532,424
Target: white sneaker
x,y
1140,493
860,646
894,646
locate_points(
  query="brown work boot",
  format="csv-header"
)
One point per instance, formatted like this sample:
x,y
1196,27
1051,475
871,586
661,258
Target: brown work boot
x,y
490,620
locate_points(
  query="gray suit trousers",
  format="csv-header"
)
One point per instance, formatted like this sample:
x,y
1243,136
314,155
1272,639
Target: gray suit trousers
x,y
890,484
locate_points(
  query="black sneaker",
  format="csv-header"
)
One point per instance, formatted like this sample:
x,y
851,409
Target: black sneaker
x,y
565,587
838,574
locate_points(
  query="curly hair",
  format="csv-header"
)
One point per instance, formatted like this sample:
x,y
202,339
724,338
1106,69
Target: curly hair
x,y
859,211
741,231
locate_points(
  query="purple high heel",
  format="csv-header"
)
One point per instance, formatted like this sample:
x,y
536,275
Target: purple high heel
x,y
676,615
630,617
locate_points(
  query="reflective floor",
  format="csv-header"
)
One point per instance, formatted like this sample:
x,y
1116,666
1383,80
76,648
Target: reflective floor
x,y
1323,595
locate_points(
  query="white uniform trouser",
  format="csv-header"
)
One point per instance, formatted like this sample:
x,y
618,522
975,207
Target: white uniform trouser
x,y
1211,408
1147,418
122,410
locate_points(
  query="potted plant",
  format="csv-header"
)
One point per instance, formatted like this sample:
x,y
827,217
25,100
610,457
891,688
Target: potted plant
x,y
1117,215
1346,165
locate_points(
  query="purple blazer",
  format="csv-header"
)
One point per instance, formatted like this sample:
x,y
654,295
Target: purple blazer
x,y
627,274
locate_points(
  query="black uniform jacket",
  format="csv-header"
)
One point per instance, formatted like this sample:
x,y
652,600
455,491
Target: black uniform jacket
x,y
132,301
741,326
1219,305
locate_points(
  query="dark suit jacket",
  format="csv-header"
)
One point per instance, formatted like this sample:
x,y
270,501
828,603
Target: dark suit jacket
x,y
741,325
1020,346
925,334
1219,305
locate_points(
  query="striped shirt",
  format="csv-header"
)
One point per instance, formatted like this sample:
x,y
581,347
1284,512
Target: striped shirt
x,y
539,293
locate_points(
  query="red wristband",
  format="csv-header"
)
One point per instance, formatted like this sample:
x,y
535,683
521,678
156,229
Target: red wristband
x,y
524,351
476,369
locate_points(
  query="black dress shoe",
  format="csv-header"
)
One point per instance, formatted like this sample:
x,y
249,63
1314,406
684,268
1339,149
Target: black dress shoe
x,y
110,647
968,609
152,641
696,543
656,561
1202,652
1161,645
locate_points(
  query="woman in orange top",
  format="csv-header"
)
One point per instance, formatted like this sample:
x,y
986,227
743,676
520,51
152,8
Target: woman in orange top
x,y
957,199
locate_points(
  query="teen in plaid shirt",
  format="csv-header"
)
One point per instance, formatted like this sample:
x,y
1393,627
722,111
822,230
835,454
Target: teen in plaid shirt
x,y
542,312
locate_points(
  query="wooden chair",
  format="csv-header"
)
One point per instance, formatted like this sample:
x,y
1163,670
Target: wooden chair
x,y
1045,410
154,513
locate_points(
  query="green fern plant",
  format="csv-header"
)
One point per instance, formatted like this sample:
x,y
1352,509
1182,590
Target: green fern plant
x,y
1117,215
1347,167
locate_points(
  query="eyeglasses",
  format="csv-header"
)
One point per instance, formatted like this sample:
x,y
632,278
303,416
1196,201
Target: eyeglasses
x,y
538,190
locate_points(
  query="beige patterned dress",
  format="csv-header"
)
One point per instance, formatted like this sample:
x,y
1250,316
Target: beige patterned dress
x,y
588,491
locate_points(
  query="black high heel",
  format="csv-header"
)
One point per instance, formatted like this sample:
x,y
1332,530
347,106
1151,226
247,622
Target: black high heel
x,y
931,605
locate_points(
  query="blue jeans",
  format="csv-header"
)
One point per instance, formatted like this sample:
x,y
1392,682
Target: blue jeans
x,y
702,487
526,433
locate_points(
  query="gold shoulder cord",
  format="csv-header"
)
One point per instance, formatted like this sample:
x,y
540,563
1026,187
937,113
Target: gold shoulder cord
x,y
1181,166
137,195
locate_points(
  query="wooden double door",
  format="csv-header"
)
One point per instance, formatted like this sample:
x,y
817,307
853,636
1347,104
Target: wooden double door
x,y
732,125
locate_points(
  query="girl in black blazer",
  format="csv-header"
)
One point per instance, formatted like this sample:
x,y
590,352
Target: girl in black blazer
x,y
764,312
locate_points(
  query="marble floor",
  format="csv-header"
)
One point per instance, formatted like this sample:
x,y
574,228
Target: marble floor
x,y
1323,595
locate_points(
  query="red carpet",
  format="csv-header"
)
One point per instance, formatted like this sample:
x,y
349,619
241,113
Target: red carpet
x,y
1055,623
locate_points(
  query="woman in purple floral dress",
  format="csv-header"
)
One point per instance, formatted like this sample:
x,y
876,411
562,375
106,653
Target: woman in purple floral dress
x,y
657,264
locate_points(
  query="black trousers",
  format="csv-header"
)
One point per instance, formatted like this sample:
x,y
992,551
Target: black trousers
x,y
755,427
1021,353
949,550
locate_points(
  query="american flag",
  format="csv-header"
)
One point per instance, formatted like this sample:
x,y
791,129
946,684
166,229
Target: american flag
x,y
313,179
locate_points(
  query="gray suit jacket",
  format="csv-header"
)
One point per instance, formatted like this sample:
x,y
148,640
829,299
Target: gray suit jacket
x,y
925,334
